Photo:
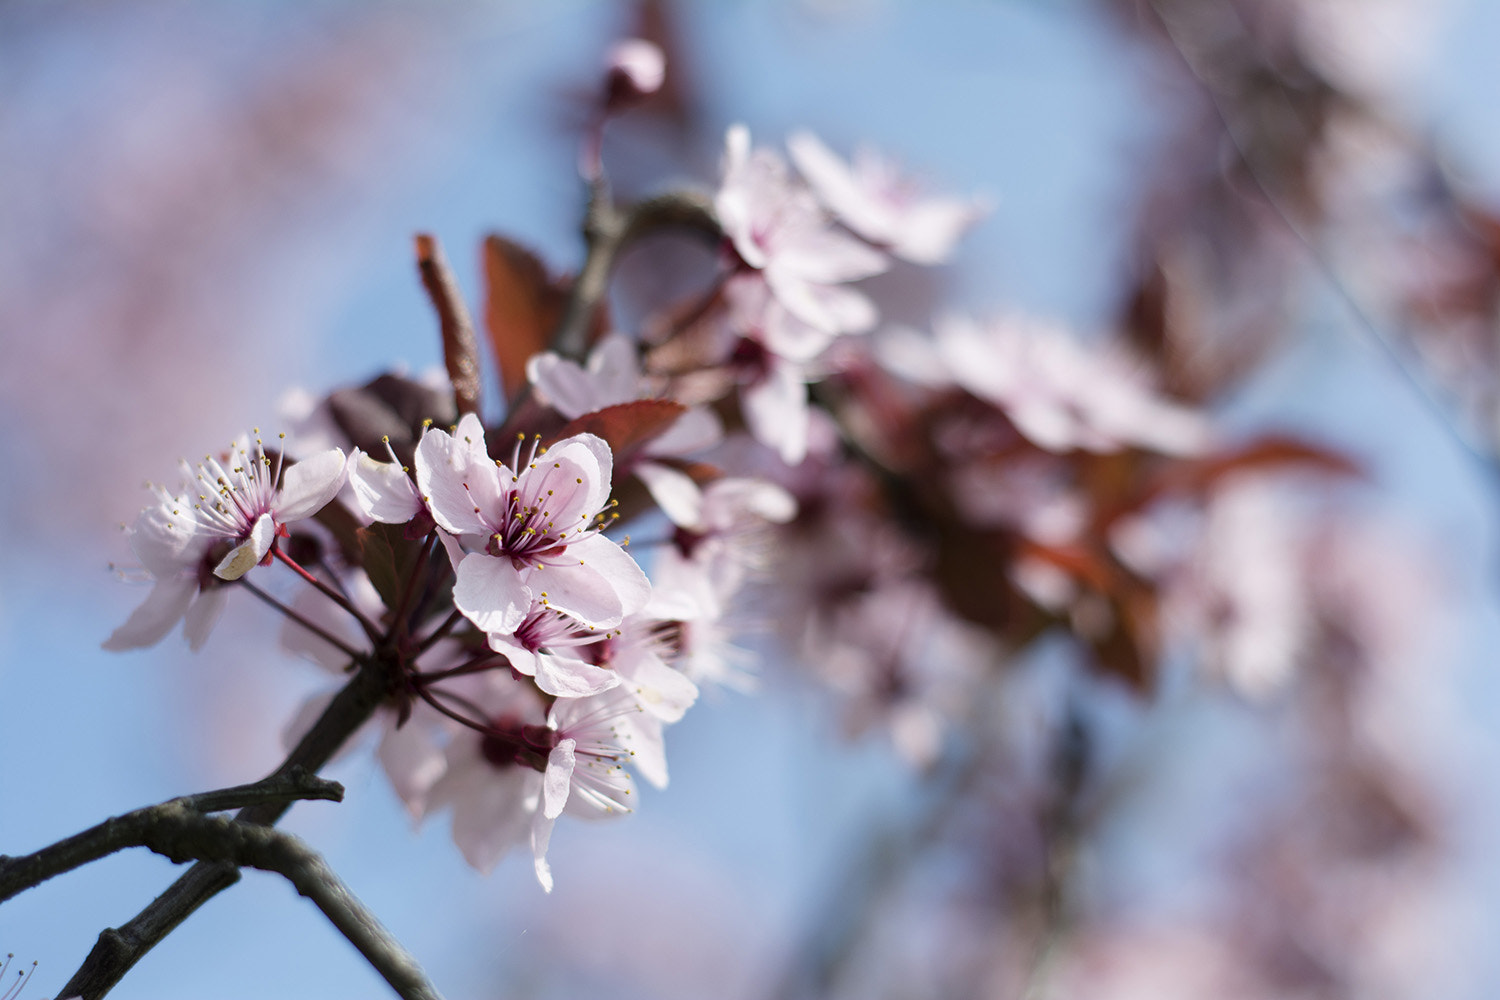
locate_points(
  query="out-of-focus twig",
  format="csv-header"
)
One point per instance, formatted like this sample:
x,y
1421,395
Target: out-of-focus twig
x,y
608,230
460,346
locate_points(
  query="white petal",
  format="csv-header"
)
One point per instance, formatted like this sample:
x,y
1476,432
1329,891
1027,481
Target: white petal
x,y
775,409
558,780
458,480
382,490
674,492
201,617
413,761
541,834
162,609
243,557
595,581
308,486
696,430
566,677
490,593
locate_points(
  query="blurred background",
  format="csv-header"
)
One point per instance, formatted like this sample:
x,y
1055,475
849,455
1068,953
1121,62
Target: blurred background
x,y
1290,205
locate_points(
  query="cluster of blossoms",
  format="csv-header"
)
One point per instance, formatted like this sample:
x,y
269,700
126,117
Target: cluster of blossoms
x,y
939,502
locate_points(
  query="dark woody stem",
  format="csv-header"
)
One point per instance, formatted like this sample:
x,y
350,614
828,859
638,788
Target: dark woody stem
x,y
441,632
118,949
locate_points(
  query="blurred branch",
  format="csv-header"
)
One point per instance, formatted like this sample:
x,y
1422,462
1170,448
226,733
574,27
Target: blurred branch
x,y
460,346
19,874
608,230
1244,151
118,949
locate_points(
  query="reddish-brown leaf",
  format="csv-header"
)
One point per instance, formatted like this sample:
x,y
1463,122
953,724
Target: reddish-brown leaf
x,y
522,306
627,426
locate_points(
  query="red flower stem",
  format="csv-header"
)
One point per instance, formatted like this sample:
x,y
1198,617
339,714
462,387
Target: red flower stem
x,y
302,620
333,595
400,623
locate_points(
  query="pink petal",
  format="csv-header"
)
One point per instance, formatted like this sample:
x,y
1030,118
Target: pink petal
x,y
775,409
674,492
558,780
201,617
490,593
566,677
456,477
382,490
162,609
308,486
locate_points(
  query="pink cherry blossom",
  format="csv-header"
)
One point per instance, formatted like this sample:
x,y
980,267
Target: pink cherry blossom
x,y
174,552
548,646
612,375
532,535
512,779
181,540
777,228
1060,394
250,501
871,197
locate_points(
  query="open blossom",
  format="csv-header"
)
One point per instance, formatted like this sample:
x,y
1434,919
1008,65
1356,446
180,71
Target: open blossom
x,y
548,646
1060,394
225,521
778,230
511,780
249,502
531,534
873,198
612,375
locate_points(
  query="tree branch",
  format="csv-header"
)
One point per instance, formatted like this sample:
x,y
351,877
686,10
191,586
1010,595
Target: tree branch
x,y
608,231
179,830
117,950
460,346
19,874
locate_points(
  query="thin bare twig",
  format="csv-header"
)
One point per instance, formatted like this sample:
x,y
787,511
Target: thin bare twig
x,y
608,231
460,346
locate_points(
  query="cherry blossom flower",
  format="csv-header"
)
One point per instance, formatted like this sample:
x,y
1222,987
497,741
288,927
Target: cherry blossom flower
x,y
511,780
871,197
1060,394
383,491
528,535
544,647
777,229
174,553
250,502
611,376
185,540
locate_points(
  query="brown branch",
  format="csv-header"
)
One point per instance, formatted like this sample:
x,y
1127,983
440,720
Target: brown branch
x,y
179,830
608,231
118,949
22,873
460,346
